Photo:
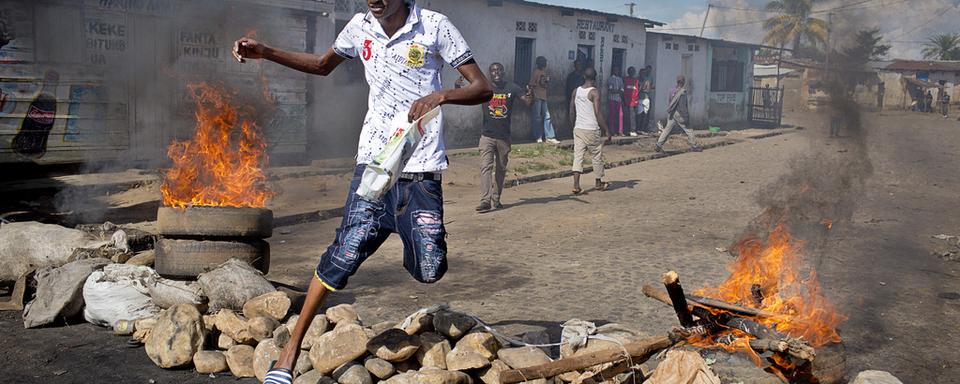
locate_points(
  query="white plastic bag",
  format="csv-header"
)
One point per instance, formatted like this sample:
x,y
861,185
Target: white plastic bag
x,y
380,175
119,292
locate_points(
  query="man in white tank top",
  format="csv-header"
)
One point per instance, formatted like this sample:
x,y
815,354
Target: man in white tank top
x,y
588,130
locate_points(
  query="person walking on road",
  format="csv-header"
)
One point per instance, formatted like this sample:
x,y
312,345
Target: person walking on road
x,y
410,87
588,130
495,136
678,115
542,125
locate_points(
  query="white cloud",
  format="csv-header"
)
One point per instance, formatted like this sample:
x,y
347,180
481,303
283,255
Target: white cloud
x,y
903,23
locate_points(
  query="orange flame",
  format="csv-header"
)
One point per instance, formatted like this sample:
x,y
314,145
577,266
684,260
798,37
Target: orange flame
x,y
775,267
223,164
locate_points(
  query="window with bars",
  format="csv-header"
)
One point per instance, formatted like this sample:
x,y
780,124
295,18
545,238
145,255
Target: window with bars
x,y
727,76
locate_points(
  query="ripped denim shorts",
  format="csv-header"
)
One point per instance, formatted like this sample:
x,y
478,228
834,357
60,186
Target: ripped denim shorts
x,y
411,208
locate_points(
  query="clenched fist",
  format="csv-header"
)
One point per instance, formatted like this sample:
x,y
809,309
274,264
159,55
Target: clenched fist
x,y
247,48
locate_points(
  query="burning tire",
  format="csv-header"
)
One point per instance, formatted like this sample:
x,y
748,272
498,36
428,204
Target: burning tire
x,y
830,365
181,258
215,222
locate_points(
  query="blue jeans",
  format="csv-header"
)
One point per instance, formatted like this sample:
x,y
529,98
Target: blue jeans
x,y
413,209
541,126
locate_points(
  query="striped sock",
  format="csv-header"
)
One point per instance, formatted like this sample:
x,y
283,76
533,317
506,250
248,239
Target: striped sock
x,y
278,376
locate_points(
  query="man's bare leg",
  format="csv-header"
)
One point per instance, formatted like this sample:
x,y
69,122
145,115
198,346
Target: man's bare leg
x,y
315,295
576,183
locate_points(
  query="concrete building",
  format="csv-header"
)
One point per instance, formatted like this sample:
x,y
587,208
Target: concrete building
x,y
114,74
719,76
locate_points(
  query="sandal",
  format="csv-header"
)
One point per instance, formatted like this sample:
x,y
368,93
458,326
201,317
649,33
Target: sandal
x,y
603,186
278,375
577,191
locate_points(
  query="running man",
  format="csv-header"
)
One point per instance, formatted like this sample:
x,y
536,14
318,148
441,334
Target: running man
x,y
403,49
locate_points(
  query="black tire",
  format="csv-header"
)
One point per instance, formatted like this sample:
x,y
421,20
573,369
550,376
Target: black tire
x,y
215,222
185,259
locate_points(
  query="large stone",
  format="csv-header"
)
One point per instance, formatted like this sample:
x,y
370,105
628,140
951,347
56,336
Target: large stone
x,y
352,373
378,367
433,350
491,375
263,354
59,292
303,364
232,284
343,313
261,328
480,342
234,326
523,357
240,360
274,305
210,362
437,376
421,322
465,359
145,258
142,328
378,328
292,322
225,342
281,335
177,336
316,329
394,345
452,324
875,377
313,377
334,348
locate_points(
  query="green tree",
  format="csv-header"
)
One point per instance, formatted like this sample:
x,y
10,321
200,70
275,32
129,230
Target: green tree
x,y
866,47
945,46
793,24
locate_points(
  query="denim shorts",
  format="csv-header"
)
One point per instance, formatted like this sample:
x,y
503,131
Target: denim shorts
x,y
413,209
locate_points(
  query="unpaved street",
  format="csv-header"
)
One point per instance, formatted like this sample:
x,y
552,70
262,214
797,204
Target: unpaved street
x,y
550,256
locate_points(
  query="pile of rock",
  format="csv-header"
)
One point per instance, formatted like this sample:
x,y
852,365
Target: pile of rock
x,y
440,347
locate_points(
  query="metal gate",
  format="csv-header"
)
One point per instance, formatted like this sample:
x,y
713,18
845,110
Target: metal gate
x,y
766,106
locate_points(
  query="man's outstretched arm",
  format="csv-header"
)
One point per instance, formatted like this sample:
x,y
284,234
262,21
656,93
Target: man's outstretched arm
x,y
478,91
247,48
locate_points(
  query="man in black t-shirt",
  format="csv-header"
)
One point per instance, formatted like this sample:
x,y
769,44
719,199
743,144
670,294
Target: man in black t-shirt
x,y
495,136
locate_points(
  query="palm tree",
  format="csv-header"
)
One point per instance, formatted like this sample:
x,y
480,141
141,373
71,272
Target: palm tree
x,y
945,46
793,24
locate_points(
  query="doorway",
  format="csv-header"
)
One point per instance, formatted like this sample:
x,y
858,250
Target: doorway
x,y
618,59
523,60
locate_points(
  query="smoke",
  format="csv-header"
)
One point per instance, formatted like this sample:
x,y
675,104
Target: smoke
x,y
904,24
124,67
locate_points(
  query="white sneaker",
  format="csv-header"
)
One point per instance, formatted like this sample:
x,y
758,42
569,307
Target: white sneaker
x,y
539,140
633,134
553,141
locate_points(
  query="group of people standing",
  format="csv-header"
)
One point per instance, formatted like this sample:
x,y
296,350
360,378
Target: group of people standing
x,y
930,104
628,111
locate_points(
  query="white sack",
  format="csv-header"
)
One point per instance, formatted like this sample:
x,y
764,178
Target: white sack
x,y
119,292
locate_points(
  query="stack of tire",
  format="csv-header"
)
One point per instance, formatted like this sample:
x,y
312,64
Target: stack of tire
x,y
194,240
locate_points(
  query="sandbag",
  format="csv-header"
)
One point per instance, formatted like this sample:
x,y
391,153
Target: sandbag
x,y
231,284
166,293
30,245
119,292
59,292
683,367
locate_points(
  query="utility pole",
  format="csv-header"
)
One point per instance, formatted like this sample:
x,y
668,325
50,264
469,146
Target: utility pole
x,y
705,17
631,5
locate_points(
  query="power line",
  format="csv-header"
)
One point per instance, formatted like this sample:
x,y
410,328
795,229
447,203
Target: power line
x,y
925,22
845,7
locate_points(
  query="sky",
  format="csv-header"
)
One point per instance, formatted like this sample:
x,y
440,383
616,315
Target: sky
x,y
905,24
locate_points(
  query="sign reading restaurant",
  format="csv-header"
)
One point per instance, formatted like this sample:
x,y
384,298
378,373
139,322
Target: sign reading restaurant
x,y
595,25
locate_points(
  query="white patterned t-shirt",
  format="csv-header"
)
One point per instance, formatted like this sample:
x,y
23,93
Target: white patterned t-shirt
x,y
401,70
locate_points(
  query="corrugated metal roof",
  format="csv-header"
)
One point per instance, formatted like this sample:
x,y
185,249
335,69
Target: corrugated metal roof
x,y
924,65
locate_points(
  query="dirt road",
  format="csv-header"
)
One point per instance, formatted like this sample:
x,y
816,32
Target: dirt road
x,y
548,256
